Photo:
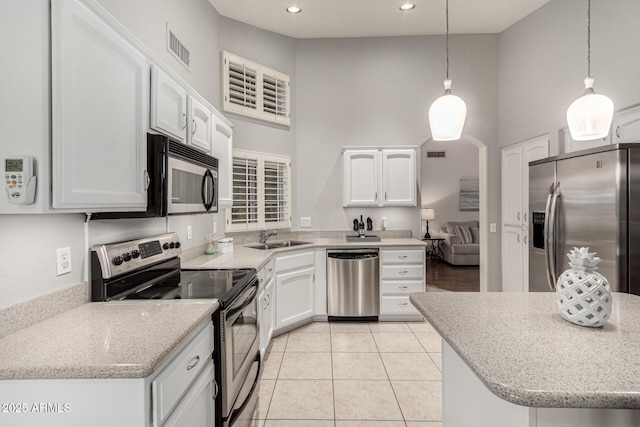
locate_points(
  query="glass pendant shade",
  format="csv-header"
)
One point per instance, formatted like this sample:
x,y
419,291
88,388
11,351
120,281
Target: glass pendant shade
x,y
447,115
589,117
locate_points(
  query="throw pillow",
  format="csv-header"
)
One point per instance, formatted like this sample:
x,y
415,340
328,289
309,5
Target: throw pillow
x,y
464,233
475,233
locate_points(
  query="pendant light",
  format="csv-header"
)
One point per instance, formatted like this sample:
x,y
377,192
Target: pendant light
x,y
589,117
447,113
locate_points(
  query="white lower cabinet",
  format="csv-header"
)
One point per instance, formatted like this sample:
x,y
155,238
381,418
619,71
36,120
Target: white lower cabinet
x,y
180,393
295,290
402,272
266,302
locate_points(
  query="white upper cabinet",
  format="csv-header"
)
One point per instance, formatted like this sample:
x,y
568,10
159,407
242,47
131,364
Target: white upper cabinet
x,y
399,177
626,126
379,177
168,105
99,111
512,186
570,145
360,177
200,128
223,151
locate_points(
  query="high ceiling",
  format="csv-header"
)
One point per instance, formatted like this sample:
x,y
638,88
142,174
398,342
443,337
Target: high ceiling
x,y
377,18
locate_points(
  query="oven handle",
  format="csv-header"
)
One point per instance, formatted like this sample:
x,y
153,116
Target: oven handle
x,y
207,202
253,389
245,302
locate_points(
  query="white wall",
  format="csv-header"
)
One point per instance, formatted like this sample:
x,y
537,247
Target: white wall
x,y
440,180
377,91
543,65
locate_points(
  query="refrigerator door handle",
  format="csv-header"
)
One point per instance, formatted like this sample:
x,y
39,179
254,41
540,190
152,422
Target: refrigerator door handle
x,y
547,240
550,219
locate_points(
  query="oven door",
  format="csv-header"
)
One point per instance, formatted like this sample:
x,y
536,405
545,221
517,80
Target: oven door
x,y
191,188
240,341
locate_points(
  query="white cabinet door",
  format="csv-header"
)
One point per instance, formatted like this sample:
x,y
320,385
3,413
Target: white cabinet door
x,y
269,312
99,112
200,125
262,309
626,126
571,145
512,186
399,177
223,151
294,292
168,105
197,408
361,177
512,262
533,150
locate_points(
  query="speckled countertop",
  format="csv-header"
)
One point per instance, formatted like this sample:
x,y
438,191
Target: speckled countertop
x,y
522,349
102,340
245,257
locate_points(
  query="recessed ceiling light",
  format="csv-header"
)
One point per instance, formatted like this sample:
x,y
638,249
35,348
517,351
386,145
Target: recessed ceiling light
x,y
407,6
293,10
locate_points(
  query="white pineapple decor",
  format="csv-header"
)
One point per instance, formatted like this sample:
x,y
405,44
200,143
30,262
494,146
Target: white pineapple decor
x,y
583,294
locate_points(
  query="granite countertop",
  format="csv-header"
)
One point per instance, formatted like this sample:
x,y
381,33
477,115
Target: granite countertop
x,y
522,349
245,257
102,340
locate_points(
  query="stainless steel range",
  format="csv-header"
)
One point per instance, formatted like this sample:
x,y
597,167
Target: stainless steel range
x,y
149,268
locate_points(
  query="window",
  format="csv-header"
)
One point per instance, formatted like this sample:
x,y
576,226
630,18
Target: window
x,y
254,90
261,192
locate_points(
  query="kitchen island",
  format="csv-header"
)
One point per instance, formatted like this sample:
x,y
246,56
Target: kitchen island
x,y
510,359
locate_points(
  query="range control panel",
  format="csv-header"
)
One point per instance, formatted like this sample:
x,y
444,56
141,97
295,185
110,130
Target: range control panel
x,y
123,257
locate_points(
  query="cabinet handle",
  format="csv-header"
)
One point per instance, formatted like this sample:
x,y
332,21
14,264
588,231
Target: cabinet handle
x,y
265,303
147,180
184,116
376,196
518,216
269,301
518,238
525,216
403,304
385,195
314,277
402,256
403,272
193,365
215,390
618,131
525,240
195,127
403,287
270,270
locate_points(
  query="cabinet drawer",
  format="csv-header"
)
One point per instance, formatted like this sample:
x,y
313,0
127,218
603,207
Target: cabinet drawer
x,y
401,287
174,380
294,260
403,256
397,305
402,272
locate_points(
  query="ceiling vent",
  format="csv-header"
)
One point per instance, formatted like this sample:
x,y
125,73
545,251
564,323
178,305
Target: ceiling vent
x,y
177,49
434,154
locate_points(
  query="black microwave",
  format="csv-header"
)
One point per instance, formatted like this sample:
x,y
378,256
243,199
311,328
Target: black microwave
x,y
180,180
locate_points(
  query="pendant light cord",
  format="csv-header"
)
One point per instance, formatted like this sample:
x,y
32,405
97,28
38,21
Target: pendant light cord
x,y
447,37
588,38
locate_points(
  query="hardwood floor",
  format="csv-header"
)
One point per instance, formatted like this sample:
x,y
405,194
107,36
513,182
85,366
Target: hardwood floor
x,y
453,278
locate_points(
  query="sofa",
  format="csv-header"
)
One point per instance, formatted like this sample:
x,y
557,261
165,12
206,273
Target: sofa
x,y
456,252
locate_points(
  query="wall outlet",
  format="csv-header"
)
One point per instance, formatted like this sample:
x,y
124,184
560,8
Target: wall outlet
x,y
385,223
305,221
189,232
492,227
215,228
63,261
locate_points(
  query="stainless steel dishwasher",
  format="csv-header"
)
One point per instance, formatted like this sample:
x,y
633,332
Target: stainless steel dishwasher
x,y
353,284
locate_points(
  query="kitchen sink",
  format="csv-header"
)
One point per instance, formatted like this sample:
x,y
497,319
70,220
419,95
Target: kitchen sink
x,y
368,238
276,245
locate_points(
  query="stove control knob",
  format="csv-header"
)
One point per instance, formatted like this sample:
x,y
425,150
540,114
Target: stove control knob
x,y
117,260
177,245
126,256
135,253
172,245
165,246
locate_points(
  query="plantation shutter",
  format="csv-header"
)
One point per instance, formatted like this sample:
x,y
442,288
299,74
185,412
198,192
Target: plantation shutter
x,y
277,185
240,84
275,95
245,208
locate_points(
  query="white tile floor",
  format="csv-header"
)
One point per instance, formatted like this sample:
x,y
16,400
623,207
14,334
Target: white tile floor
x,y
353,375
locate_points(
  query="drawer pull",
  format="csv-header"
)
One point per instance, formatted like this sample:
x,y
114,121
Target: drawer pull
x,y
270,270
402,256
215,390
403,272
403,304
403,287
193,365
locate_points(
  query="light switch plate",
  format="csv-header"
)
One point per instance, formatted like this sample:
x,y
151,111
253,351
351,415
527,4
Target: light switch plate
x,y
305,221
492,227
189,232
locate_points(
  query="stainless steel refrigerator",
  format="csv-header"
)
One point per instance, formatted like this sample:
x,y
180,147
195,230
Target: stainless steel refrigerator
x,y
586,198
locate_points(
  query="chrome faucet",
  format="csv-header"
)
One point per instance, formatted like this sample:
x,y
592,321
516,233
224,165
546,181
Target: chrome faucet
x,y
264,236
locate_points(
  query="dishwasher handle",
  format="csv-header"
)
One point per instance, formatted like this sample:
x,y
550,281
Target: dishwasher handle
x,y
353,256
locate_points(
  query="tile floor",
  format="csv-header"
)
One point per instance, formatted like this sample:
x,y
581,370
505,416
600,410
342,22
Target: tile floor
x,y
353,375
